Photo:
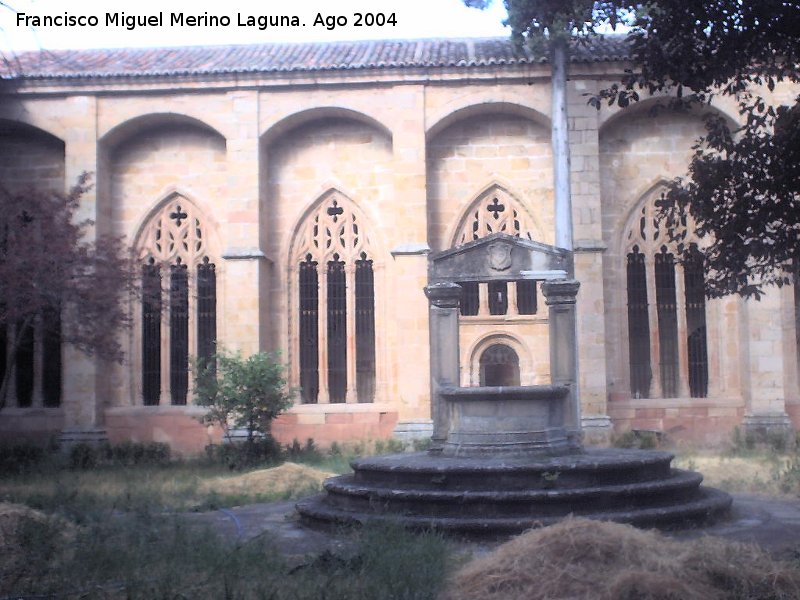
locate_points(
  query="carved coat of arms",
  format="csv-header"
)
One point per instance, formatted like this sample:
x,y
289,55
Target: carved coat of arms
x,y
499,256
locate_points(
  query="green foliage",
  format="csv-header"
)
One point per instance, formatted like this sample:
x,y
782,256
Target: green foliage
x,y
144,556
21,457
538,22
51,264
641,440
743,184
250,453
126,454
308,453
242,393
390,446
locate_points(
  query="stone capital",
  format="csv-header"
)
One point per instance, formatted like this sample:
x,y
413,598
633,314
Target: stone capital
x,y
444,295
560,291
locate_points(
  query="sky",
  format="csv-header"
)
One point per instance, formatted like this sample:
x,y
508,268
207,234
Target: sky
x,y
101,24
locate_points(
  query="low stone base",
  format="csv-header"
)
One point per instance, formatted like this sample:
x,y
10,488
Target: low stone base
x,y
409,432
597,430
504,495
772,429
91,436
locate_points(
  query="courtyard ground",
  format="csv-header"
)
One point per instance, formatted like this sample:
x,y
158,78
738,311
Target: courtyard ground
x,y
254,513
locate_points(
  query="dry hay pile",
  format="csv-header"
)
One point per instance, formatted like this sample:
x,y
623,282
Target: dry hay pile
x,y
288,479
584,559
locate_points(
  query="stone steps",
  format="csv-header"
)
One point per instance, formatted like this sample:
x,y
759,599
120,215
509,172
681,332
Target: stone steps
x,y
511,495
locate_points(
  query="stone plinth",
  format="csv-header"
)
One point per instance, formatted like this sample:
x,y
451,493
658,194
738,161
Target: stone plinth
x,y
504,495
506,421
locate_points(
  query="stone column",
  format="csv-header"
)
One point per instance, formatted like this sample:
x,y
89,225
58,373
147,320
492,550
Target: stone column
x,y
444,299
765,418
589,246
560,296
82,406
246,268
406,327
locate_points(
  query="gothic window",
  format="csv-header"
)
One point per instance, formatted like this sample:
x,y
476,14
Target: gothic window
x,y
335,309
638,325
499,365
654,274
470,298
151,333
309,331
365,330
526,297
496,211
36,378
51,358
179,301
696,323
337,330
667,311
498,297
25,366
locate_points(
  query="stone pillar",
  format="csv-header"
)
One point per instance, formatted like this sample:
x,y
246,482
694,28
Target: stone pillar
x,y
83,409
407,320
444,299
560,296
765,418
246,267
589,246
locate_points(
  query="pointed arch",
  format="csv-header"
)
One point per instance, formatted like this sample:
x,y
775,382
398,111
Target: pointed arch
x,y
333,308
175,228
333,224
178,316
495,210
666,312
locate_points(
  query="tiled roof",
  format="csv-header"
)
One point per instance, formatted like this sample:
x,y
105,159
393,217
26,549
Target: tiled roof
x,y
303,57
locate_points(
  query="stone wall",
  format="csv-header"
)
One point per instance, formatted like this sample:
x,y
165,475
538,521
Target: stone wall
x,y
414,153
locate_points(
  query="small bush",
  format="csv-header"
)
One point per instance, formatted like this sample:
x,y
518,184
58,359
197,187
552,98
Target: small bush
x,y
249,453
390,446
638,439
84,456
299,453
22,457
136,453
421,444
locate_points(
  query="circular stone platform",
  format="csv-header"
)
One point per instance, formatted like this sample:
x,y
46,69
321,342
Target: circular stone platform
x,y
512,494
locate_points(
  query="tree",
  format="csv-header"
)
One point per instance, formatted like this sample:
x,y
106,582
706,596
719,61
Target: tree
x,y
241,393
549,25
742,191
56,279
743,187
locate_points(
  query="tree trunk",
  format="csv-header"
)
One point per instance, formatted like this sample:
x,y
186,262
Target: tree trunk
x,y
559,54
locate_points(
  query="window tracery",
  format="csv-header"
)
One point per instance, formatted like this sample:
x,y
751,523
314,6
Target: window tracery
x,y
179,303
495,211
667,340
333,269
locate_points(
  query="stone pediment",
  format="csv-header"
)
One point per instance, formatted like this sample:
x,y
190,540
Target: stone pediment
x,y
498,257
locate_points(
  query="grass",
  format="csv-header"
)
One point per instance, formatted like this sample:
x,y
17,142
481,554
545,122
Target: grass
x,y
145,556
77,494
770,469
54,483
116,531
